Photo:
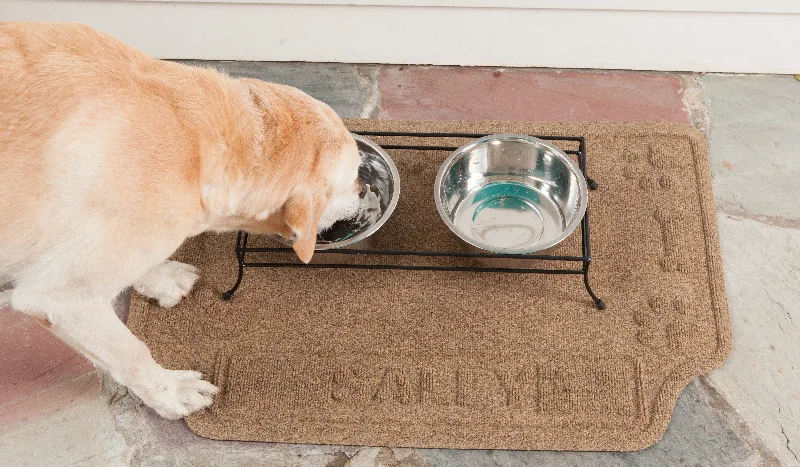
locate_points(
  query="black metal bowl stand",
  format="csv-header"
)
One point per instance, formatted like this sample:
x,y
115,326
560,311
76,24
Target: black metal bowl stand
x,y
585,259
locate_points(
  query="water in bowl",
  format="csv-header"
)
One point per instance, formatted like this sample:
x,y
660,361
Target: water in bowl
x,y
373,206
508,217
369,211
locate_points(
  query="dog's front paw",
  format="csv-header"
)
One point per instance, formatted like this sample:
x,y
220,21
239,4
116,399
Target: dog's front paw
x,y
168,282
174,394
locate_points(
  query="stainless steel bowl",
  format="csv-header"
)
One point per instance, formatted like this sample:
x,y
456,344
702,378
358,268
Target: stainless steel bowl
x,y
511,194
378,171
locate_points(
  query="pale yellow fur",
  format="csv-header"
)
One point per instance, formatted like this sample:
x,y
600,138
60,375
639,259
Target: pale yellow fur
x,y
110,159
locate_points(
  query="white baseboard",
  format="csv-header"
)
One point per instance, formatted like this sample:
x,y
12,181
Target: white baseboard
x,y
738,38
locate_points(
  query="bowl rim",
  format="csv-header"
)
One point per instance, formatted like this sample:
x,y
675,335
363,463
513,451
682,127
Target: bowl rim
x,y
583,192
386,215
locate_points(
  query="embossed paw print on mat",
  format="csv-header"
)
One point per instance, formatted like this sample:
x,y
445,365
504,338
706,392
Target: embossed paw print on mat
x,y
471,360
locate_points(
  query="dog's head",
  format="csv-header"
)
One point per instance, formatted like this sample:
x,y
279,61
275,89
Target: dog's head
x,y
303,175
330,192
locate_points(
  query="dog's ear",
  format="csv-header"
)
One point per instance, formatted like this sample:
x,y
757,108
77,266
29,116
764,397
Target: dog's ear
x,y
300,215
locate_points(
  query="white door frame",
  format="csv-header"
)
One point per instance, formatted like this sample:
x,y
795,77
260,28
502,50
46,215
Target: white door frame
x,y
680,35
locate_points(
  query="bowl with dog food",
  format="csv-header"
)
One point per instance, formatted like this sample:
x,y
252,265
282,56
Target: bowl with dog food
x,y
510,194
379,173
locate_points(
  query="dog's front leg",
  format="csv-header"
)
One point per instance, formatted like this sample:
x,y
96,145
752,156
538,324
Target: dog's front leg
x,y
92,328
168,282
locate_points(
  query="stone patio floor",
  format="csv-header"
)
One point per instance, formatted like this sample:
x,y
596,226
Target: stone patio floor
x,y
55,410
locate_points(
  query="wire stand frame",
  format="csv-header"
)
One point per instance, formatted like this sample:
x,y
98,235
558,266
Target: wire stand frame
x,y
585,258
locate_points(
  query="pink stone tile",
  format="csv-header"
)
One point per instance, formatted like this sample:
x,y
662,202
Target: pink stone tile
x,y
32,358
49,402
448,93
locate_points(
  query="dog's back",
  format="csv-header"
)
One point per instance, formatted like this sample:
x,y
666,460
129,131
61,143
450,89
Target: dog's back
x,y
110,159
81,118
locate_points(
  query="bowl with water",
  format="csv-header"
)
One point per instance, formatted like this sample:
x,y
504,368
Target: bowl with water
x,y
511,194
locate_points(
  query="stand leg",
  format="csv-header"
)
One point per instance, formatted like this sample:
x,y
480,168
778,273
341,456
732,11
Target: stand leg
x,y
241,242
229,294
591,183
600,304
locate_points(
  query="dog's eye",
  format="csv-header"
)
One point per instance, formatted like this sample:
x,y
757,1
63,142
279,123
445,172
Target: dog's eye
x,y
363,192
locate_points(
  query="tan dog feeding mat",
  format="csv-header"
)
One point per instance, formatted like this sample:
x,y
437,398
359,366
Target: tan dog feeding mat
x,y
465,359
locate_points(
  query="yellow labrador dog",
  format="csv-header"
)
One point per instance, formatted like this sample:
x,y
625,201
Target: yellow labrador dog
x,y
110,159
